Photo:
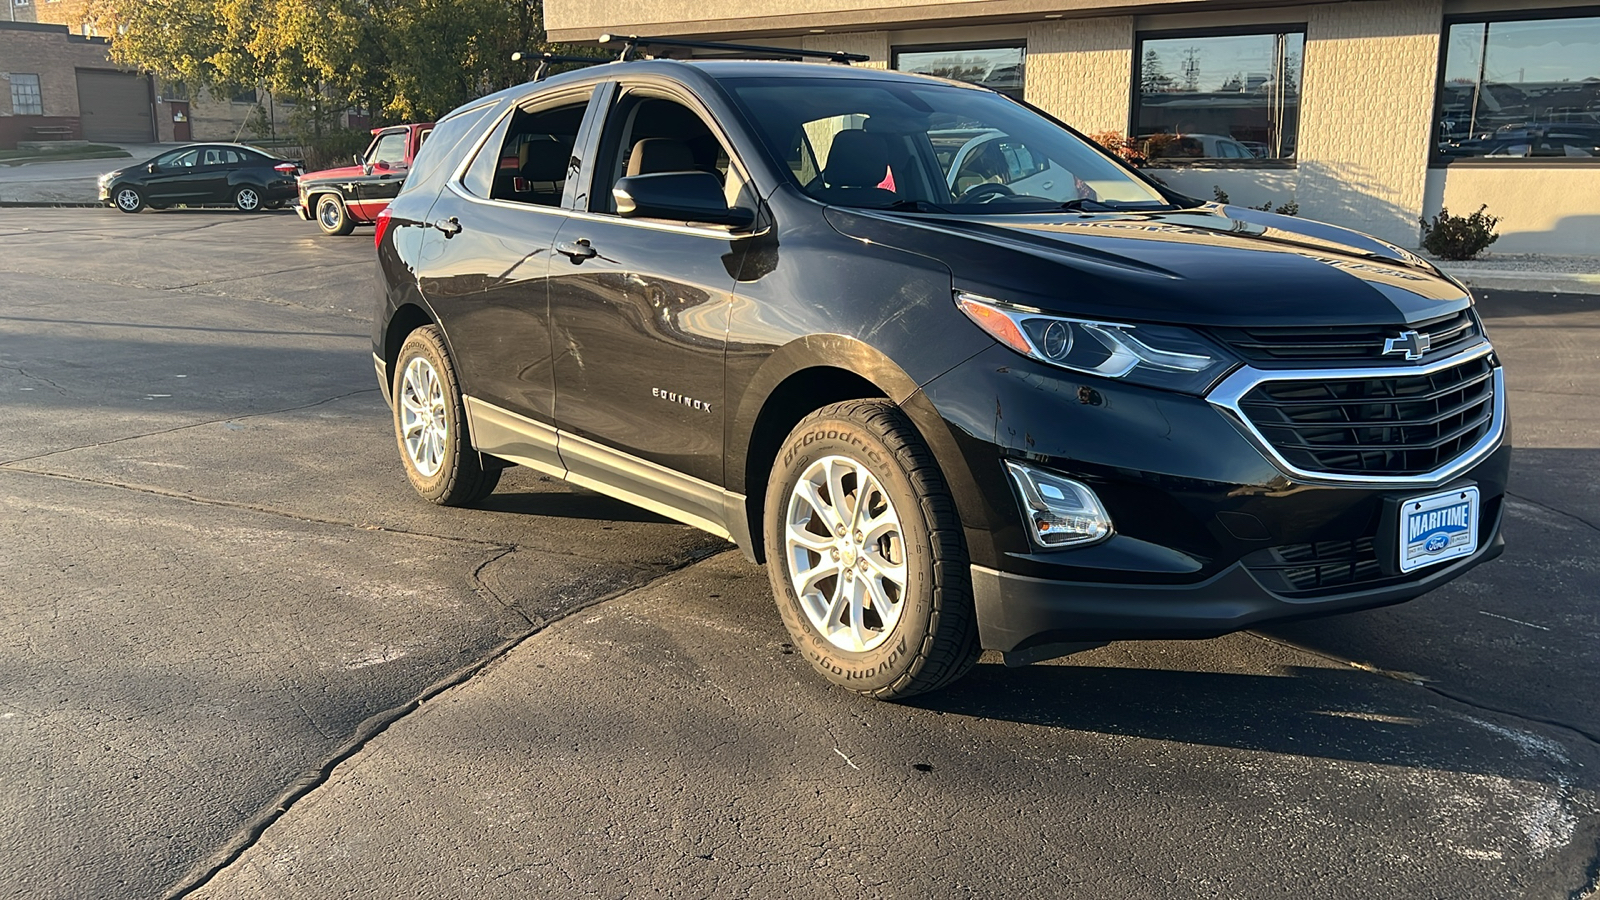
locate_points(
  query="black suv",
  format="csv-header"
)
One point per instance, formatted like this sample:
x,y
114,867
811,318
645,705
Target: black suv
x,y
962,379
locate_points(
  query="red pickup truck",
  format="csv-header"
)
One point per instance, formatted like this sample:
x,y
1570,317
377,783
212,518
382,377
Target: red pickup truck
x,y
342,198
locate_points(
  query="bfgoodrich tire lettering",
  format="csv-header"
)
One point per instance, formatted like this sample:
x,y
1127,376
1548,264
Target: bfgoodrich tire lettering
x,y
430,425
855,496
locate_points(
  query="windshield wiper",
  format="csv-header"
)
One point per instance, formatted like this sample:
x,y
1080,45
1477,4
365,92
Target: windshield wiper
x,y
1081,203
913,206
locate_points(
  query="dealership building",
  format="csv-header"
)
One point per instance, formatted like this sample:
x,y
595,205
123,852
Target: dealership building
x,y
1366,113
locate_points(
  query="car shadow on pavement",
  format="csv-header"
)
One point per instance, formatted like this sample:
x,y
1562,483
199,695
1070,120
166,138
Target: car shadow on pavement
x,y
569,504
1327,713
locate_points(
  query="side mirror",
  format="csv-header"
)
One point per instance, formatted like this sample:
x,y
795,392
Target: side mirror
x,y
356,158
152,168
689,196
382,166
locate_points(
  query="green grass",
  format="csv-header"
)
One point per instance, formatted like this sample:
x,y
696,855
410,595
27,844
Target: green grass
x,y
93,151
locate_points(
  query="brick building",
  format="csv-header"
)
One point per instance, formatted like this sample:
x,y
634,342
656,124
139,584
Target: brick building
x,y
56,85
1367,113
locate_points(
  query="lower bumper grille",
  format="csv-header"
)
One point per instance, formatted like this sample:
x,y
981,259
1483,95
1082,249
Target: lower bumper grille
x,y
1335,567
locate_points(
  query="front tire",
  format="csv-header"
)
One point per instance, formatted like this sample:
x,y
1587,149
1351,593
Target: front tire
x,y
866,556
430,425
332,216
247,199
128,199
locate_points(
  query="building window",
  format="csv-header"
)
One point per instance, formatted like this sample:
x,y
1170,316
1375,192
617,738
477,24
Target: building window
x,y
1520,88
995,66
249,96
25,97
1205,95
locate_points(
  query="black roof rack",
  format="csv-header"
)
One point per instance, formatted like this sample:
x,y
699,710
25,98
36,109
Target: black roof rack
x,y
632,43
546,59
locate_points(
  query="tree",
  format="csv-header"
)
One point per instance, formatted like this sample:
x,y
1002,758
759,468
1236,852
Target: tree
x,y
403,60
1153,79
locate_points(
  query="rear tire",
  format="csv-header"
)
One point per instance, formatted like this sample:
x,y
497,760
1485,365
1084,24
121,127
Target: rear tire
x,y
127,198
332,216
430,425
247,199
866,555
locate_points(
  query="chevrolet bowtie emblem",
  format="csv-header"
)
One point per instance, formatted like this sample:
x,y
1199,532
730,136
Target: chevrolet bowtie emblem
x,y
1411,343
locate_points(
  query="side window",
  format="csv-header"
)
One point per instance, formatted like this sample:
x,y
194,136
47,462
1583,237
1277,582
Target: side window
x,y
647,134
183,159
389,148
232,157
212,157
530,155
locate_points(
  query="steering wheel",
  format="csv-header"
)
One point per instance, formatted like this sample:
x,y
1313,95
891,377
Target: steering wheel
x,y
985,192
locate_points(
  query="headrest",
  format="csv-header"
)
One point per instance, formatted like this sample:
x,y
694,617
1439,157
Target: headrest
x,y
653,155
856,159
545,160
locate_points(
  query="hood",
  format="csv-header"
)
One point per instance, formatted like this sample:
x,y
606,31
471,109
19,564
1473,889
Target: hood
x,y
340,173
1213,265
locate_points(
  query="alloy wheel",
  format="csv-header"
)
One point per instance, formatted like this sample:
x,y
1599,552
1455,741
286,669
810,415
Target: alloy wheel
x,y
423,424
845,551
128,199
248,200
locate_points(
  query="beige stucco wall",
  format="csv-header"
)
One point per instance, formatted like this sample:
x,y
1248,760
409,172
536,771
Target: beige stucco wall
x,y
870,43
1074,71
1541,210
582,20
1366,110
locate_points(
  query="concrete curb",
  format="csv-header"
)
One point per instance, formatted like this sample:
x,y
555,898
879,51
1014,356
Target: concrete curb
x,y
1511,280
48,204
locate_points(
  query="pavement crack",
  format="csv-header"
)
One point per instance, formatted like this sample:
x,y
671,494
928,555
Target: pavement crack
x,y
39,378
478,584
1548,508
255,508
183,287
1428,685
134,437
374,727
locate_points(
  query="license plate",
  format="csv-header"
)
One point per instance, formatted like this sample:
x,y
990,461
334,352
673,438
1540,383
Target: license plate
x,y
1438,527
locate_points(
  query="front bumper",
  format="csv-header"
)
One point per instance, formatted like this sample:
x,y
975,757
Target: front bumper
x,y
301,211
1210,536
1017,612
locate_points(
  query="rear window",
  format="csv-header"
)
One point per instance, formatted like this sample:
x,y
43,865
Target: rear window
x,y
442,152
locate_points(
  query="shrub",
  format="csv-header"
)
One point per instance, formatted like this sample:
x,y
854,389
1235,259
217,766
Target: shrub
x,y
1459,237
1283,209
1122,145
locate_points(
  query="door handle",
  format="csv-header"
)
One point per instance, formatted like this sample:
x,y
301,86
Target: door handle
x,y
577,251
451,226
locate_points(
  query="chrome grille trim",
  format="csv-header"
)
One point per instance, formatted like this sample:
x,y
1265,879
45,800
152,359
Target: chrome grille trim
x,y
1229,393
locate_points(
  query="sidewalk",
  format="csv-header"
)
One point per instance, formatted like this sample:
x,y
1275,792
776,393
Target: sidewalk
x,y
1528,272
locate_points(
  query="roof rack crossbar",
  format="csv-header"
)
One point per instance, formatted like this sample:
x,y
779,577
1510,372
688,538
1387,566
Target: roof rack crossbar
x,y
632,43
547,59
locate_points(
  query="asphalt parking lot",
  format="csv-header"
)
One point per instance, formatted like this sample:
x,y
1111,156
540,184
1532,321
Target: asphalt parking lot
x,y
242,659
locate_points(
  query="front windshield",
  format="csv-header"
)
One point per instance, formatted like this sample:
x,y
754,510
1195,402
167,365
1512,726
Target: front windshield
x,y
907,146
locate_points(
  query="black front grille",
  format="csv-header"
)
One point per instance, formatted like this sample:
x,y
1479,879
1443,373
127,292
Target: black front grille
x,y
1345,343
1308,568
1389,425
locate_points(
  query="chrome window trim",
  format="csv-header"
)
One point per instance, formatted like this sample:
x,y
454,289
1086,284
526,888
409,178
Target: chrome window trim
x,y
1228,394
467,195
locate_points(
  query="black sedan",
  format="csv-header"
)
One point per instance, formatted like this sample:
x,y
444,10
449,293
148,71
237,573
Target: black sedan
x,y
197,174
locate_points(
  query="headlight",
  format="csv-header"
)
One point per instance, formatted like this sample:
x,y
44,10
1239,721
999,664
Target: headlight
x,y
1161,356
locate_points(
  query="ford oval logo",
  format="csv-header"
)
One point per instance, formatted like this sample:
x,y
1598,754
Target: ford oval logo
x,y
1437,542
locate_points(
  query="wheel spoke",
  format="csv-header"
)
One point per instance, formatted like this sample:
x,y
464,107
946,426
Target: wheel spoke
x,y
805,582
886,570
808,492
858,613
888,610
816,543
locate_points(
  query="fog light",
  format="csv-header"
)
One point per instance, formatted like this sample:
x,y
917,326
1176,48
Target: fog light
x,y
1060,512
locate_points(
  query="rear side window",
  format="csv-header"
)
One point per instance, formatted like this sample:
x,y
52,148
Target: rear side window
x,y
442,153
530,157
